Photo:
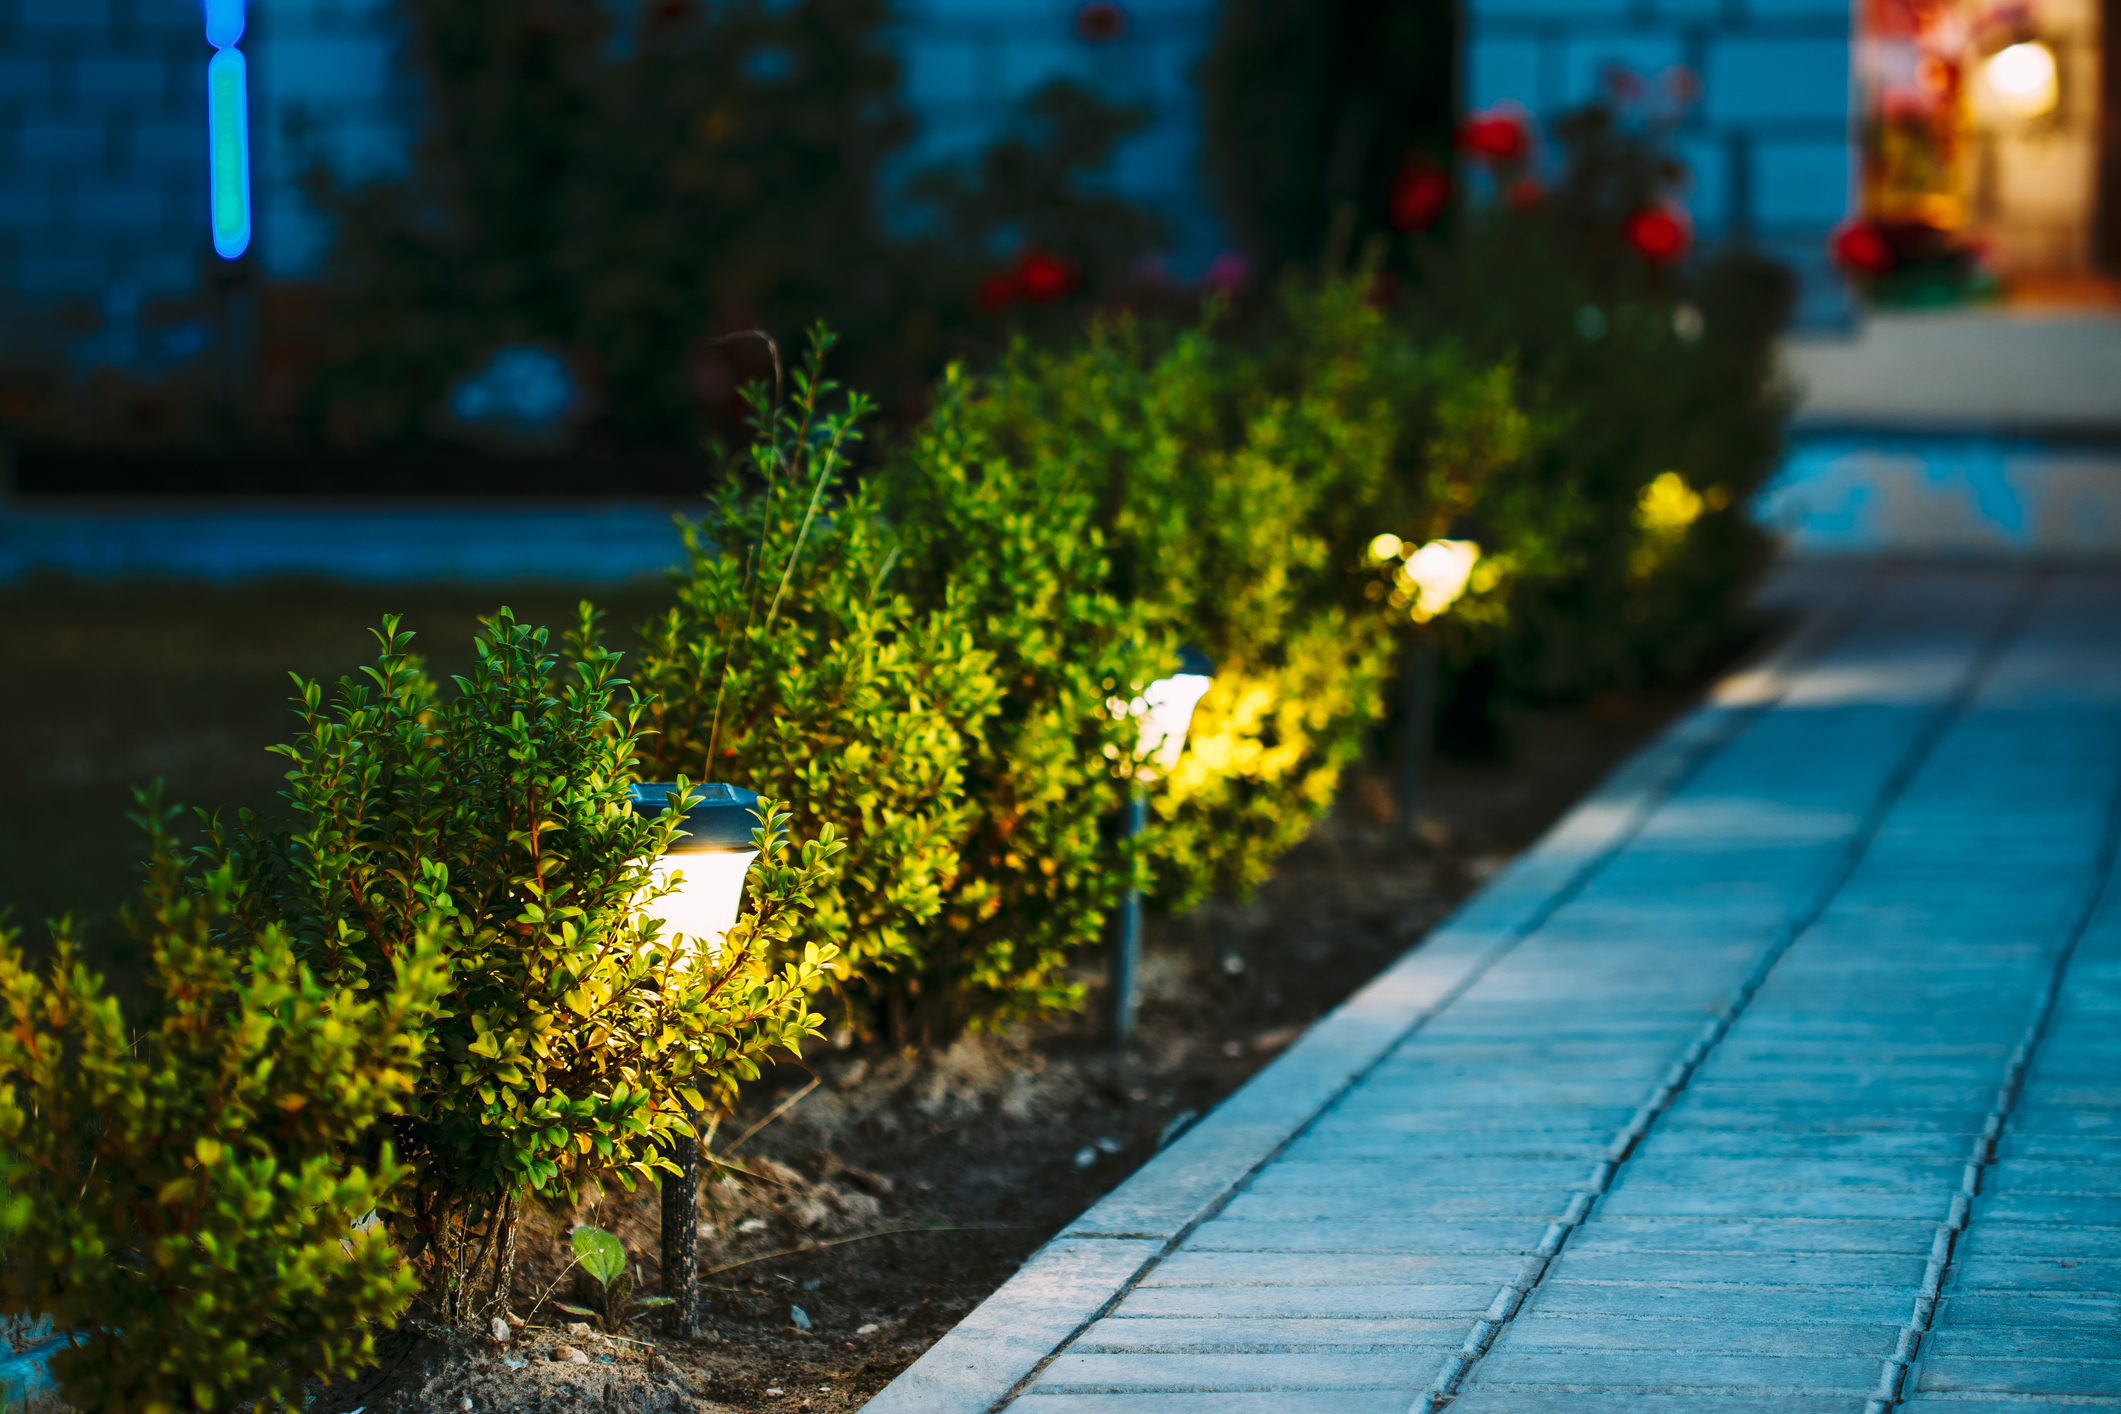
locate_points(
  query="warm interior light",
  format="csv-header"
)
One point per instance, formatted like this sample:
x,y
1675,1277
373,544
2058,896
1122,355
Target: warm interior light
x,y
2022,79
1438,572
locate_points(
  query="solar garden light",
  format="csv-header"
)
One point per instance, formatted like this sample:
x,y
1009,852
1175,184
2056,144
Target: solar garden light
x,y
705,868
1165,711
1426,580
228,129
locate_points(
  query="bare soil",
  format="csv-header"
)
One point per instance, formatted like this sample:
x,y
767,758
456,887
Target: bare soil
x,y
896,1192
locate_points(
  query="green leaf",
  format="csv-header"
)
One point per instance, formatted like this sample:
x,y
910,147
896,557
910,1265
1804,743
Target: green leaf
x,y
601,1254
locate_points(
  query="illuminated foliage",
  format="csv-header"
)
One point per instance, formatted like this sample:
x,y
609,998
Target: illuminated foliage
x,y
573,1038
794,664
179,1192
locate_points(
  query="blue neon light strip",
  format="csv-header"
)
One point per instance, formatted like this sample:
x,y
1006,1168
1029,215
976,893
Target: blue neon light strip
x,y
228,145
224,23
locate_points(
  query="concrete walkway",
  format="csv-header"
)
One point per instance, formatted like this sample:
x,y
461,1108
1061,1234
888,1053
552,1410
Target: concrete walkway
x,y
1784,1075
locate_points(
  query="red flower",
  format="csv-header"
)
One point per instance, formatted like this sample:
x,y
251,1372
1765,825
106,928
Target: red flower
x,y
1228,271
1495,137
1100,22
1524,194
1864,249
998,292
1042,279
1420,193
1659,234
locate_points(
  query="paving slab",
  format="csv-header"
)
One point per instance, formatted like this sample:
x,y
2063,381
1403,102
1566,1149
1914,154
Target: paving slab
x,y
1221,1402
1489,1399
1783,1075
1126,1332
1658,1366
1549,1334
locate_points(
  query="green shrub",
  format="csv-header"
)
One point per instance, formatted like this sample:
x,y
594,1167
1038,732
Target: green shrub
x,y
793,665
616,185
573,1037
1015,541
621,185
935,656
1659,385
1222,491
178,1191
1092,508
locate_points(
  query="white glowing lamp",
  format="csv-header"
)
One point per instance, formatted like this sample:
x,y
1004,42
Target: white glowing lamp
x,y
1165,711
1437,573
706,863
2022,79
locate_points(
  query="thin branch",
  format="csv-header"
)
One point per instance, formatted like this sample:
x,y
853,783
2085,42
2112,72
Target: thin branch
x,y
778,1110
771,348
809,1247
828,464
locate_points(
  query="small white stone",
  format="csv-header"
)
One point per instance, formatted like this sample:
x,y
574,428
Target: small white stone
x,y
752,1225
500,1330
1085,1156
1108,1144
799,1317
568,1355
465,1403
868,1328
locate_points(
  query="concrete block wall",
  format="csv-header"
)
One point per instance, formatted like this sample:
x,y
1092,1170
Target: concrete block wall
x,y
969,62
328,85
1768,142
103,126
102,150
102,121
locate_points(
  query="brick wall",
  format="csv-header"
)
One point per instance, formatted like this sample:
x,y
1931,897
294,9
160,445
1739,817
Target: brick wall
x,y
1768,143
103,153
967,63
102,149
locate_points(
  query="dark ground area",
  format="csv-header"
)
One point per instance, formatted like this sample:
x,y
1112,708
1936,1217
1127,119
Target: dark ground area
x,y
893,1196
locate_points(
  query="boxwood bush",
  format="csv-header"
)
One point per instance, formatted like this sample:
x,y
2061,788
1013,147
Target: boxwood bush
x,y
572,1039
1656,376
793,663
934,655
190,1193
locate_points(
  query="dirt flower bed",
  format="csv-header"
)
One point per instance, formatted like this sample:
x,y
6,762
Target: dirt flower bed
x,y
891,1194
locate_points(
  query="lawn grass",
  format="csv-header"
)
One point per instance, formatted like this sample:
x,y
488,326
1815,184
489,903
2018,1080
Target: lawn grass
x,y
111,686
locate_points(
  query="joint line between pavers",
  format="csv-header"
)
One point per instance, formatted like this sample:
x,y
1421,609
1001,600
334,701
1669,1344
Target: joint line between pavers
x,y
1734,721
1451,1377
1944,1246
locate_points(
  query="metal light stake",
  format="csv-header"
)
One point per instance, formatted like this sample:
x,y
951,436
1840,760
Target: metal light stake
x,y
707,861
1165,711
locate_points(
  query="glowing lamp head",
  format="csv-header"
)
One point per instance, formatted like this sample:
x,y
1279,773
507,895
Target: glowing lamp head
x,y
1165,711
706,862
2022,79
1437,574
